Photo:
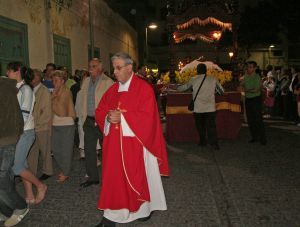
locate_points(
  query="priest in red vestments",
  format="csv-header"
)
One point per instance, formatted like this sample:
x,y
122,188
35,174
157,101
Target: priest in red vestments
x,y
134,154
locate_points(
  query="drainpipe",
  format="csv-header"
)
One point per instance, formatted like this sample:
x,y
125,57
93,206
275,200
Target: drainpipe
x,y
91,28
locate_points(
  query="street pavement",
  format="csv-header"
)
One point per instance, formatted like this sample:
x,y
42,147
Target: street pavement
x,y
240,185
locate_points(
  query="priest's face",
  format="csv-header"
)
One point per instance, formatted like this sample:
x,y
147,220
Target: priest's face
x,y
122,70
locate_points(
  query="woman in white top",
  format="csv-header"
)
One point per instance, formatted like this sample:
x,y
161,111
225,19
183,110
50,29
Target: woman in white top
x,y
26,99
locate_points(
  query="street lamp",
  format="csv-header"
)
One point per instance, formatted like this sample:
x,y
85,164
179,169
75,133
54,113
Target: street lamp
x,y
151,26
216,36
269,53
230,55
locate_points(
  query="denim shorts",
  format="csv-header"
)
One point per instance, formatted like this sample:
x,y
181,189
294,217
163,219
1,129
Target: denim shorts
x,y
22,149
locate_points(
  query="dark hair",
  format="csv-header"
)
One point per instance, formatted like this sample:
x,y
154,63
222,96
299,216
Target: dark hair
x,y
15,66
201,68
253,63
277,68
52,65
269,67
258,71
26,73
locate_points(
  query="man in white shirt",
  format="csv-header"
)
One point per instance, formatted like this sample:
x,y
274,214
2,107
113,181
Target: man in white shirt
x,y
204,105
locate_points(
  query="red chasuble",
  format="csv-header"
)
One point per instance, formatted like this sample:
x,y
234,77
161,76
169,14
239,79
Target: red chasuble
x,y
124,181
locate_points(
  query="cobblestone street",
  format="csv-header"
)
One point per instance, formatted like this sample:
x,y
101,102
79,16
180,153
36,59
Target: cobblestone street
x,y
241,185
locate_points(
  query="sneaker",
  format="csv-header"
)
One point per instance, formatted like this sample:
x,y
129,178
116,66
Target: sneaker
x,y
16,217
298,124
3,217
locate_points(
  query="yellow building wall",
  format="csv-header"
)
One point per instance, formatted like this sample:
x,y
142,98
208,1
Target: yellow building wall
x,y
111,32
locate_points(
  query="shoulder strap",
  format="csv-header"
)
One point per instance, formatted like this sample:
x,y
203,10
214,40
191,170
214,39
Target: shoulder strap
x,y
21,87
199,88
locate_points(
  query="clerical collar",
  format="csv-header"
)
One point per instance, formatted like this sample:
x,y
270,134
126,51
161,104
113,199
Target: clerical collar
x,y
125,86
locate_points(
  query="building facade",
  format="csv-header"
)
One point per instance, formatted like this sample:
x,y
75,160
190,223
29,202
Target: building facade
x,y
38,32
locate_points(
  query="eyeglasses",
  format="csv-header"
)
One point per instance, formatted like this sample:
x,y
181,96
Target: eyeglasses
x,y
119,67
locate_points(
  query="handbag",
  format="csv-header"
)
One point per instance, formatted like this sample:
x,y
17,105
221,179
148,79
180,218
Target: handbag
x,y
191,105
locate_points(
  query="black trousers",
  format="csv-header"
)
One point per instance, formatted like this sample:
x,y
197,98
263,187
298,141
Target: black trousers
x,y
206,126
254,118
91,135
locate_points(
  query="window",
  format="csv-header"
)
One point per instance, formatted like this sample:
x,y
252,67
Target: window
x,y
62,52
13,43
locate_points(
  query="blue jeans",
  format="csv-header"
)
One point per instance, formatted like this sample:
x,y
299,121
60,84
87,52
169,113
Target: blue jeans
x,y
9,197
22,149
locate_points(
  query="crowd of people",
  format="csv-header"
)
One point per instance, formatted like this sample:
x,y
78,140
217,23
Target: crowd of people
x,y
48,113
105,114
282,93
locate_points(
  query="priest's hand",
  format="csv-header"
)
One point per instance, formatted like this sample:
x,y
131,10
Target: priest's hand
x,y
114,116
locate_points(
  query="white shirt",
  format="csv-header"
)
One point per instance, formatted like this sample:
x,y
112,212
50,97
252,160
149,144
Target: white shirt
x,y
125,86
26,101
36,88
205,101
